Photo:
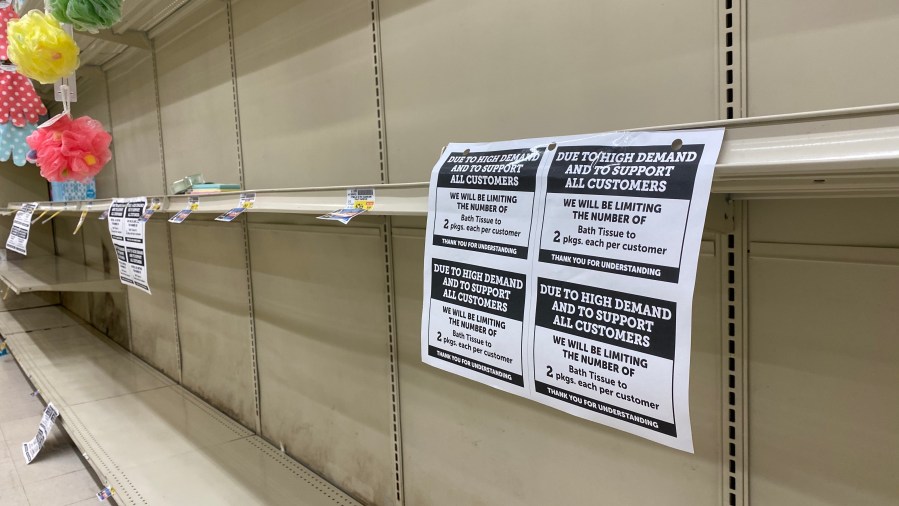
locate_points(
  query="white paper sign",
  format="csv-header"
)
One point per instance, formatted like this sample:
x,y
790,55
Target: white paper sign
x,y
127,230
33,447
563,270
21,229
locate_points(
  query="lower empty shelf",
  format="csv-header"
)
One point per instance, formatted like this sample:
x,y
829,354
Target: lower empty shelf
x,y
146,436
54,274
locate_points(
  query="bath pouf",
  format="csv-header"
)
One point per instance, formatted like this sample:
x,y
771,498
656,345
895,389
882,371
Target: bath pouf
x,y
13,145
70,150
40,49
87,15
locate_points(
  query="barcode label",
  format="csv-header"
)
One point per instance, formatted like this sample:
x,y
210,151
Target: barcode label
x,y
33,447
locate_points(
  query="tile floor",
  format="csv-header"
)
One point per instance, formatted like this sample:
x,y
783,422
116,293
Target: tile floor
x,y
57,477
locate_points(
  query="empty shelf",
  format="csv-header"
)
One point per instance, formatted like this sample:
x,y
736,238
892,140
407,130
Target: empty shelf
x,y
390,199
841,152
54,274
153,441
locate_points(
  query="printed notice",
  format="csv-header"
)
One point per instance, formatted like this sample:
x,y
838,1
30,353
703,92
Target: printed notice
x,y
476,317
574,257
127,229
619,209
484,201
607,352
31,448
21,229
476,261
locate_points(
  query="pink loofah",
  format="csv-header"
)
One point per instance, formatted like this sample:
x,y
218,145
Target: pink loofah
x,y
71,149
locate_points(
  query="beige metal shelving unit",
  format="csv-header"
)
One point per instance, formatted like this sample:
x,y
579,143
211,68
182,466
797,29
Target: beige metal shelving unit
x,y
835,153
307,333
54,274
152,418
144,435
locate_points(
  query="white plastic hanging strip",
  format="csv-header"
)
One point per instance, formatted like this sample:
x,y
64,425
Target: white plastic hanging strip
x,y
66,108
69,81
66,102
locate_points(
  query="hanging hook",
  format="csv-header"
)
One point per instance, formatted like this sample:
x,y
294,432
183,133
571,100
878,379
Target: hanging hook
x,y
66,100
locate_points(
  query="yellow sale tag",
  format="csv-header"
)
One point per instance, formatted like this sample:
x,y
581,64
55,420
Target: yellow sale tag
x,y
80,222
54,215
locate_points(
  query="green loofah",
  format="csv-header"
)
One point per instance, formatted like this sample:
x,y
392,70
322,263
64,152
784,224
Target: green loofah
x,y
87,15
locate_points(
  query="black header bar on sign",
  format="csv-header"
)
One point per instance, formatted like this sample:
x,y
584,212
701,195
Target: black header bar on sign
x,y
135,256
618,170
602,408
509,170
620,319
623,267
494,248
117,210
492,291
474,365
134,211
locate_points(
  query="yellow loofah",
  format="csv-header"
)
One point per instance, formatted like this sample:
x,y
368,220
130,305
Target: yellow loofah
x,y
40,48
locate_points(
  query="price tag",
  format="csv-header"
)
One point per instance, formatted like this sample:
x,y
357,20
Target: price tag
x,y
343,215
54,215
193,203
105,494
43,213
80,222
154,206
246,202
358,201
360,198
